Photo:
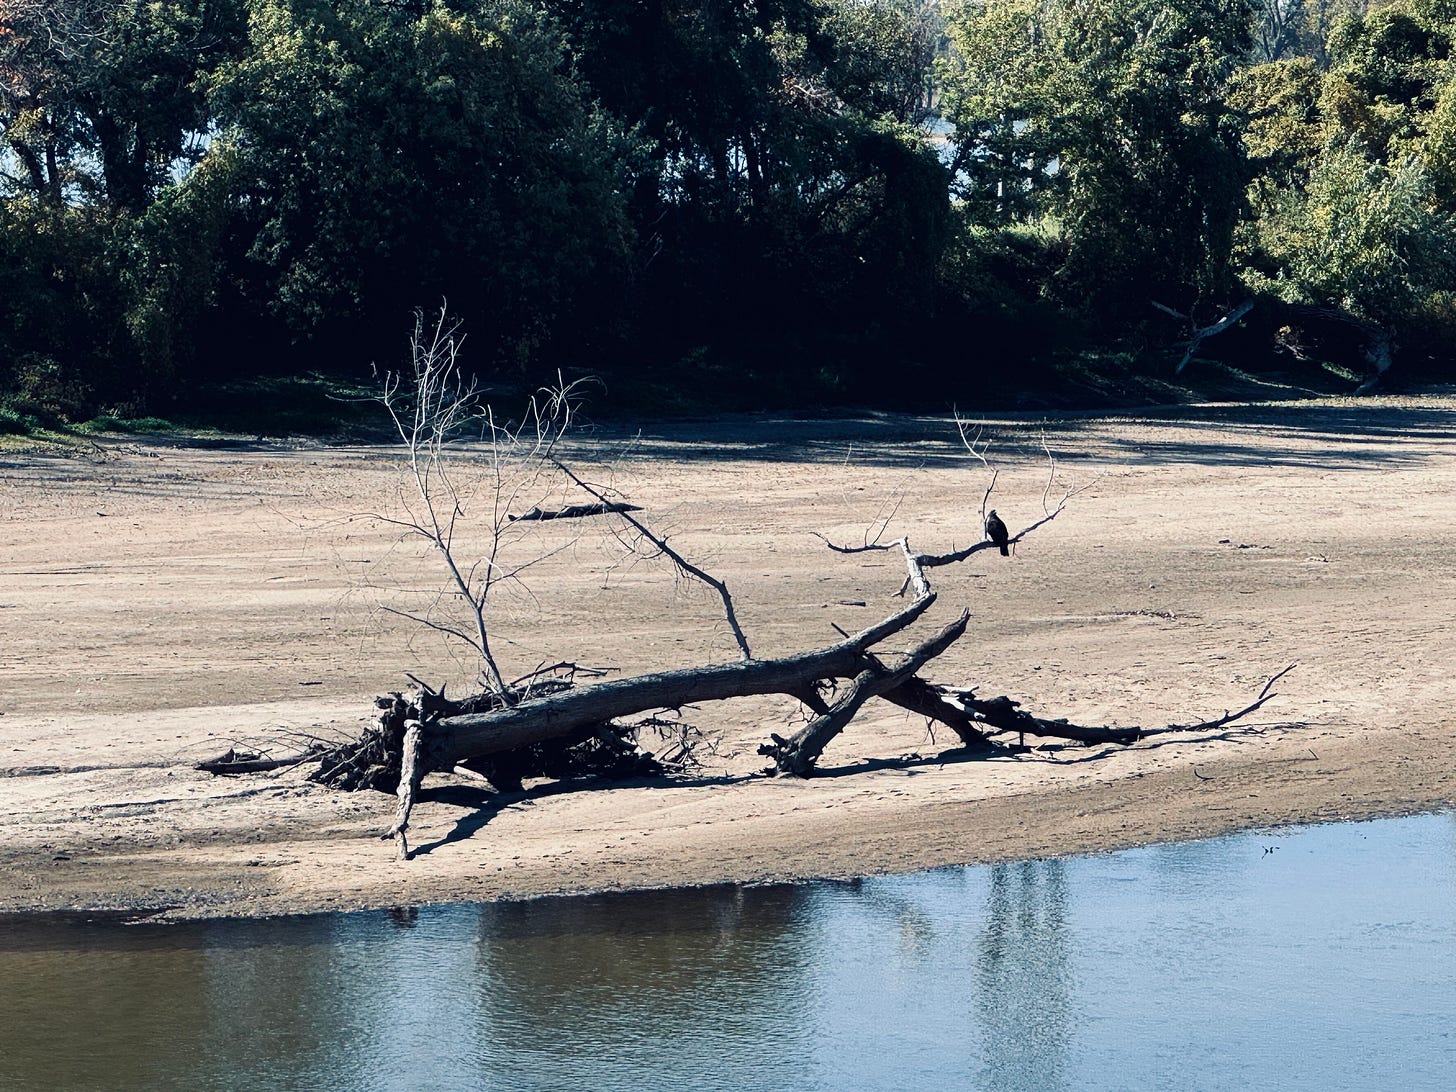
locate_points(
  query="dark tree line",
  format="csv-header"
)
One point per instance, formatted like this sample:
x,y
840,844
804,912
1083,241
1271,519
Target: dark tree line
x,y
779,200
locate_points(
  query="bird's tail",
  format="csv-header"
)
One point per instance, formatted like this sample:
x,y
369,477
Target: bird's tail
x,y
1005,551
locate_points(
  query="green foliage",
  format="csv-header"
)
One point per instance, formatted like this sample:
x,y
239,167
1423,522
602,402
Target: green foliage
x,y
1353,210
1282,124
106,101
61,328
168,268
1360,236
751,200
1386,70
1112,116
793,207
390,159
883,56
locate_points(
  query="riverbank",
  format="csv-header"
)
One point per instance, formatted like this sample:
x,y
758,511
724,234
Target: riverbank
x,y
160,605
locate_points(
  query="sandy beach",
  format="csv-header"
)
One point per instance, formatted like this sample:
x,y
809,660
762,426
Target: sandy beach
x,y
161,604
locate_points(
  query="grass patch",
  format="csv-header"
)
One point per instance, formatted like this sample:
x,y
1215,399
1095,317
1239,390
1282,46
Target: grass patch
x,y
15,423
108,423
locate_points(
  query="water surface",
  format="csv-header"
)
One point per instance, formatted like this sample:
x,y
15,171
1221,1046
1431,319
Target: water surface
x,y
1312,958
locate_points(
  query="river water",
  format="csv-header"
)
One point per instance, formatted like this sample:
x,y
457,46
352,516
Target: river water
x,y
1316,958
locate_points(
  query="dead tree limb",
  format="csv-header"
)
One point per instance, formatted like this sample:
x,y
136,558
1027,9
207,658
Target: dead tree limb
x,y
1199,334
1006,715
451,497
938,703
452,739
799,754
525,728
1002,714
576,511
234,763
439,403
683,564
1265,695
1379,344
410,774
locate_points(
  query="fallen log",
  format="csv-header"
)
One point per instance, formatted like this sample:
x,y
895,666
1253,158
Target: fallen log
x,y
546,725
231,762
576,511
452,739
799,754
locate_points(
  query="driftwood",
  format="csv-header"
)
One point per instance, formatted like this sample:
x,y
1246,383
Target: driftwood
x,y
547,725
576,511
235,762
1197,335
799,754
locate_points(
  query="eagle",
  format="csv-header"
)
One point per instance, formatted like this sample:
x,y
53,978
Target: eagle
x,y
997,533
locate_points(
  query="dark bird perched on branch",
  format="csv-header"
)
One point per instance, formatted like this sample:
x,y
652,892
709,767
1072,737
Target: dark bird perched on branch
x,y
997,533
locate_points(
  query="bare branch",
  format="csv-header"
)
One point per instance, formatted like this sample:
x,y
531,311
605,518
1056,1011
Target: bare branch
x,y
431,406
1005,715
1198,334
1265,695
978,448
449,631
683,564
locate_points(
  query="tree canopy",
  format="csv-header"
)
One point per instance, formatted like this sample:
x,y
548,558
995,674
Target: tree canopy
x,y
777,200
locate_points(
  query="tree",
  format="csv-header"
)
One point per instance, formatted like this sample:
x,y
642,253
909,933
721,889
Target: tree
x,y
792,208
1351,213
882,62
1110,118
393,154
110,230
105,101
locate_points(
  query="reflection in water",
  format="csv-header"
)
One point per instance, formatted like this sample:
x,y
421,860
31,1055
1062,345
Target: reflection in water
x,y
1328,964
653,973
403,917
88,1004
1024,977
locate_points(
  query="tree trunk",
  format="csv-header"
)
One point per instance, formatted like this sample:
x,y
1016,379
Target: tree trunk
x,y
453,739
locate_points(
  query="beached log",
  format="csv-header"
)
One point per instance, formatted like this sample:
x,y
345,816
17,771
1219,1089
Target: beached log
x,y
235,762
577,511
546,725
799,754
453,739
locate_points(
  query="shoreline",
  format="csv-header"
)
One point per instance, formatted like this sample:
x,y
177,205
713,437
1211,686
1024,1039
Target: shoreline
x,y
1091,817
160,605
